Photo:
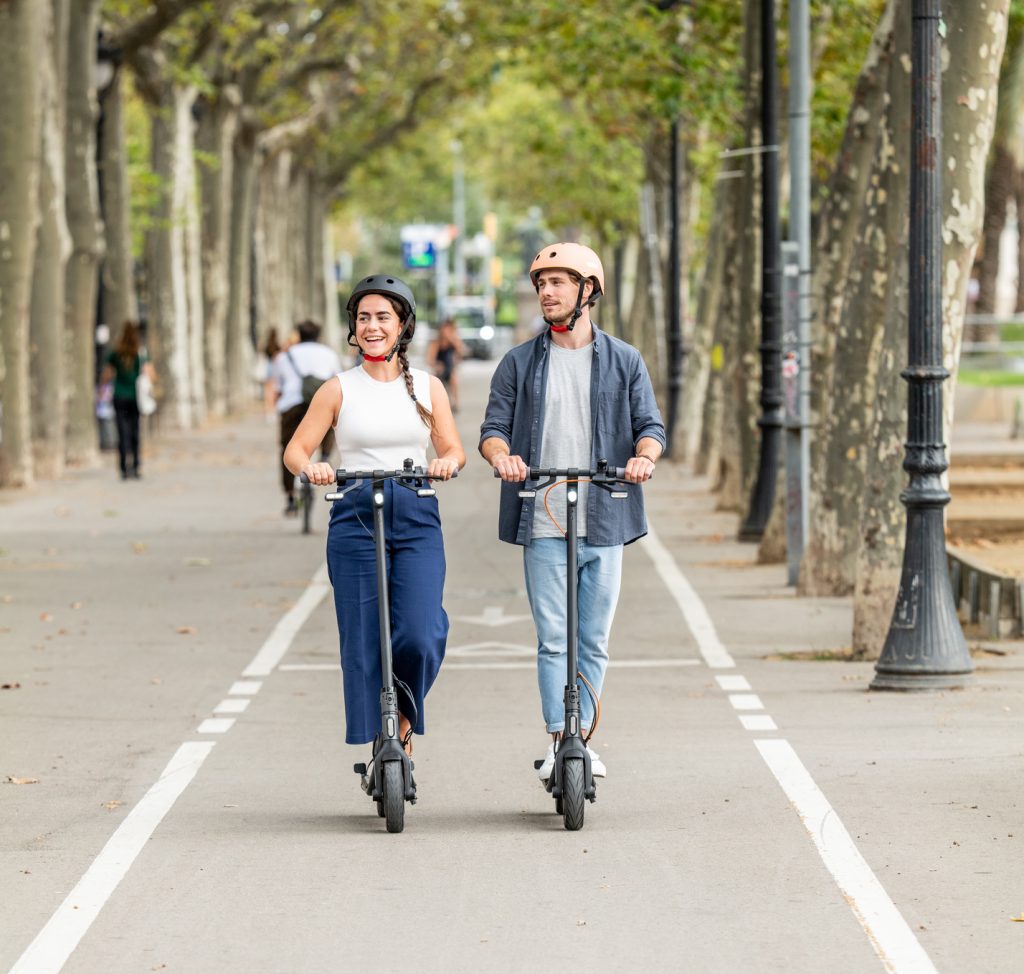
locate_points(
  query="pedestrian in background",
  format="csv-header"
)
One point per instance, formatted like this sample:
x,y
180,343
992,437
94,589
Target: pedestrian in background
x,y
124,366
567,398
444,354
307,359
263,372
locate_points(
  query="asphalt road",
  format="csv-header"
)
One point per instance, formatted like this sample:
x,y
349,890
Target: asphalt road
x,y
764,816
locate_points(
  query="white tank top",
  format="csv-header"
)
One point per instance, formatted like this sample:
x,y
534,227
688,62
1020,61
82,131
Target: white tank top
x,y
378,425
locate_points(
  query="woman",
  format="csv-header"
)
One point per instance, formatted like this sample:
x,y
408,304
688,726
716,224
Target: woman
x,y
124,365
444,354
381,412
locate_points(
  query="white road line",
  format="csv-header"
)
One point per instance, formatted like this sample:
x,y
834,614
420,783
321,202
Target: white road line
x,y
757,722
732,682
273,650
746,701
231,706
893,941
215,725
245,688
54,944
480,664
696,616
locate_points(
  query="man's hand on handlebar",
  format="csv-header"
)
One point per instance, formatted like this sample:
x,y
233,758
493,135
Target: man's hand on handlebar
x,y
441,469
511,468
639,470
320,474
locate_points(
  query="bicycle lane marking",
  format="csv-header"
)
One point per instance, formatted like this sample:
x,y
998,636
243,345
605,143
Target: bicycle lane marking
x,y
891,937
57,940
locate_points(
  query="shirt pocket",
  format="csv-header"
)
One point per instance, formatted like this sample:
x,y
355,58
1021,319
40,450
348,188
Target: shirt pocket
x,y
613,414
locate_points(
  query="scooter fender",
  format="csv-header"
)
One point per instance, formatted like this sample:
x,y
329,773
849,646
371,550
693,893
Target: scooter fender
x,y
572,747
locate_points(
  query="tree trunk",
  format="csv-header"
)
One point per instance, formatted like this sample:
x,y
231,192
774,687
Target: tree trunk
x,y
333,334
975,41
86,229
999,189
239,343
298,243
846,406
52,251
120,303
23,25
275,279
190,250
172,340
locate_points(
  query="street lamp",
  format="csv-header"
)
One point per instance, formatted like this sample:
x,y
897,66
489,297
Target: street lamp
x,y
771,420
925,648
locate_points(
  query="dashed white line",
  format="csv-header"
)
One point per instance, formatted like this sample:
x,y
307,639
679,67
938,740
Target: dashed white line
x,y
757,722
216,725
54,944
732,682
231,705
746,701
246,688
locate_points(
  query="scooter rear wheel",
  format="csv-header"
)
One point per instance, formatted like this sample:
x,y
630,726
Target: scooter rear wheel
x,y
573,798
394,796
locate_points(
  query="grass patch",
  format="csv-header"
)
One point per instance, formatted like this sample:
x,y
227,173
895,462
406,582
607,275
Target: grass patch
x,y
844,654
989,380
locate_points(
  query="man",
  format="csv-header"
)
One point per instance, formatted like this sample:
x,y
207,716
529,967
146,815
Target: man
x,y
567,398
307,357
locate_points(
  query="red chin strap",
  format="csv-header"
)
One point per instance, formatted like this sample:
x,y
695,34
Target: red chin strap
x,y
559,327
374,358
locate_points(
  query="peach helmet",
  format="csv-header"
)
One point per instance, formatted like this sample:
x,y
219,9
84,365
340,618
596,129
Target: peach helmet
x,y
571,257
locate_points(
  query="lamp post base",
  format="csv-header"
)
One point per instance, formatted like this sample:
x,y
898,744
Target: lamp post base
x,y
920,681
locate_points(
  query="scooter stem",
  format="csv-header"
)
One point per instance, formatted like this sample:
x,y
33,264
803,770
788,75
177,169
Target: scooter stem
x,y
388,694
572,689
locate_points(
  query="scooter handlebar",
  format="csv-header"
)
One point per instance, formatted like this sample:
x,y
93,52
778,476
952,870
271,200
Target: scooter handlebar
x,y
583,473
344,476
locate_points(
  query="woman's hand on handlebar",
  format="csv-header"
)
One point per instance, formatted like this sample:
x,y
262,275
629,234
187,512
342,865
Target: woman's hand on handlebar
x,y
511,468
442,469
321,474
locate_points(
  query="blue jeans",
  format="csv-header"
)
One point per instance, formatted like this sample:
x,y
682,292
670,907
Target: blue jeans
x,y
599,572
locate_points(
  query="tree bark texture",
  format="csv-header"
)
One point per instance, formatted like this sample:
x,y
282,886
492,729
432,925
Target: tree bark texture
x,y
120,302
973,55
53,247
86,229
239,343
275,277
837,477
217,126
23,25
189,246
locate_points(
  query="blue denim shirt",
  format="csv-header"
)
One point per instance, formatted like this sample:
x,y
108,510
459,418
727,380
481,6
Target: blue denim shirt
x,y
623,411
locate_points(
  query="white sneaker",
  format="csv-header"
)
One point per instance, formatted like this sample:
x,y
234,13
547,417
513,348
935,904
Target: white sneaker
x,y
544,771
597,768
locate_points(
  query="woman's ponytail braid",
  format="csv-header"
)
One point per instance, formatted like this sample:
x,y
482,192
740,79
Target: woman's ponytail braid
x,y
425,415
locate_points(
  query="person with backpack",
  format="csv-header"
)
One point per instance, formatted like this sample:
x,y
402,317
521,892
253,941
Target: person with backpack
x,y
296,374
129,370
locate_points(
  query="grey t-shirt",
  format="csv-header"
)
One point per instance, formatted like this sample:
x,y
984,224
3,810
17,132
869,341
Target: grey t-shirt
x,y
565,439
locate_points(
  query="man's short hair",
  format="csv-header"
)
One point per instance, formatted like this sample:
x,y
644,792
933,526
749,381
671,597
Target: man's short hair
x,y
309,331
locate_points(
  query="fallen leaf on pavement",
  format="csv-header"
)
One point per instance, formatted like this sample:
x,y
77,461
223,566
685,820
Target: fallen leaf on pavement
x,y
1019,919
186,630
77,605
198,562
139,547
10,686
45,617
21,781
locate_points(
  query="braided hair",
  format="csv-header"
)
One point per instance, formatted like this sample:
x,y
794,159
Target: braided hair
x,y
425,414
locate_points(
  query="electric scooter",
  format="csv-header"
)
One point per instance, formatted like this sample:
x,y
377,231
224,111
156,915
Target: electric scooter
x,y
387,779
572,781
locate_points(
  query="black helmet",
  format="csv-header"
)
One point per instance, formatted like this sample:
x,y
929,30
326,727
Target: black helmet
x,y
390,287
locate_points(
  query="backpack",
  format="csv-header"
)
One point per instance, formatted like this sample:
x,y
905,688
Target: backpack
x,y
310,383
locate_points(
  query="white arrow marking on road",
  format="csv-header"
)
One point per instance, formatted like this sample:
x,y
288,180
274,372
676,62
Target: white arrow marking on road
x,y
491,648
493,615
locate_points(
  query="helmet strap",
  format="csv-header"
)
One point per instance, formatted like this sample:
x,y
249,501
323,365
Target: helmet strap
x,y
577,311
401,338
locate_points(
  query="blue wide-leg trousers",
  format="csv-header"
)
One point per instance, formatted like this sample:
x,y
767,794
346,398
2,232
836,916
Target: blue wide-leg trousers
x,y
414,549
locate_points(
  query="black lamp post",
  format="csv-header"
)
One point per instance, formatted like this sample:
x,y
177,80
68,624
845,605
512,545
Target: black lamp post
x,y
772,414
925,648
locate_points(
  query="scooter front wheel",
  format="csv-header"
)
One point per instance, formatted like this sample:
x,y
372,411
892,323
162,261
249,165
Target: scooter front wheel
x,y
394,796
573,793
